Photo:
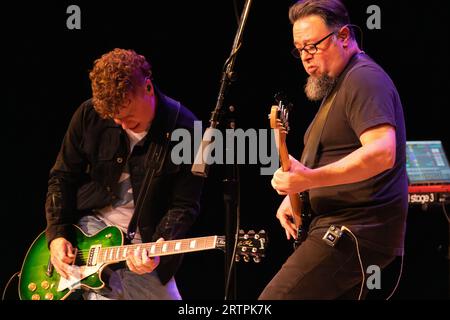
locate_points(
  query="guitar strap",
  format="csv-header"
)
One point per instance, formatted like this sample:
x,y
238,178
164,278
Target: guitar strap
x,y
308,158
309,154
154,161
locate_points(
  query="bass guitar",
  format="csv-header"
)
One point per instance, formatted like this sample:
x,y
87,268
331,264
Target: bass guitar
x,y
301,214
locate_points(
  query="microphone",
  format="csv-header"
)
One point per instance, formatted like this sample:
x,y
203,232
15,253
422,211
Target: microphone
x,y
200,167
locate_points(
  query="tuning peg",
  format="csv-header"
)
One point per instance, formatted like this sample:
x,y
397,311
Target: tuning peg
x,y
251,232
237,258
261,234
257,259
246,258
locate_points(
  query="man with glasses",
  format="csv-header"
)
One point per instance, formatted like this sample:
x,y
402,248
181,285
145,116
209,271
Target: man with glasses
x,y
113,141
357,182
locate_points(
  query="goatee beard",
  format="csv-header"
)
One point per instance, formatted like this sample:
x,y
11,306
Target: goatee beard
x,y
317,88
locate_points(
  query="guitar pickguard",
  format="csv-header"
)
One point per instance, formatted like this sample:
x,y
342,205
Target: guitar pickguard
x,y
77,273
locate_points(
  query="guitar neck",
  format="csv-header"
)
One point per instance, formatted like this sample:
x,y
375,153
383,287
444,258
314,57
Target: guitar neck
x,y
296,203
162,248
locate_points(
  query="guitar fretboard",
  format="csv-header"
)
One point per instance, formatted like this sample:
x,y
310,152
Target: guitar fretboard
x,y
120,253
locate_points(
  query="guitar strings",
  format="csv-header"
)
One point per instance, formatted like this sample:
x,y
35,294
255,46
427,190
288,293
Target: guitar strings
x,y
83,252
144,245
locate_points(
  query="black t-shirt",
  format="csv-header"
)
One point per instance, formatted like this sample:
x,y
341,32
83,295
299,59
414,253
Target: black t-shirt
x,y
374,209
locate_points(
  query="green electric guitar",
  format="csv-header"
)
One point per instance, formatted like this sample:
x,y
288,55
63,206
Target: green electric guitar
x,y
39,281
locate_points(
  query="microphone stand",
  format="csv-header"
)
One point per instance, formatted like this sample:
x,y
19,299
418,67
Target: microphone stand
x,y
231,182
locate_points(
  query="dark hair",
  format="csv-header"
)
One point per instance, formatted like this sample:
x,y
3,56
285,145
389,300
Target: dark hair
x,y
333,12
114,77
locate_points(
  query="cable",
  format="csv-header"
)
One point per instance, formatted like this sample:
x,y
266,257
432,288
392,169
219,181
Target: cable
x,y
360,32
398,279
445,211
232,257
236,12
7,284
238,215
344,228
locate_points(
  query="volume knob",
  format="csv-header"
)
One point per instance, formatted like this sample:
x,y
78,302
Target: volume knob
x,y
32,286
45,285
49,296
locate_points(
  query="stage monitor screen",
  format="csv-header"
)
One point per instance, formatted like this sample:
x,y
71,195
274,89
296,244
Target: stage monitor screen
x,y
426,163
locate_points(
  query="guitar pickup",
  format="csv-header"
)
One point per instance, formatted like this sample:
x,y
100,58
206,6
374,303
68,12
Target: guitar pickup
x,y
94,252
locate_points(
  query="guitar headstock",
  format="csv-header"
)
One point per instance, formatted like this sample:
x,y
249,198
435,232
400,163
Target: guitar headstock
x,y
251,245
279,114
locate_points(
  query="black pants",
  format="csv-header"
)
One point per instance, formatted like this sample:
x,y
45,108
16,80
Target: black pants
x,y
318,271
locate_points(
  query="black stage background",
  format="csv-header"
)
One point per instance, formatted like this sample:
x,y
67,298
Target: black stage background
x,y
187,42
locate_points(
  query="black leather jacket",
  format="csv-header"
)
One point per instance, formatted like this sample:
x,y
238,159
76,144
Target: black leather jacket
x,y
87,170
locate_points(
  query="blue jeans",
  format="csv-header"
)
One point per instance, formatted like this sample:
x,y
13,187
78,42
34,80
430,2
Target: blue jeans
x,y
123,284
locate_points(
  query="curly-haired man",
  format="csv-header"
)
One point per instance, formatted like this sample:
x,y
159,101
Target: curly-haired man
x,y
115,146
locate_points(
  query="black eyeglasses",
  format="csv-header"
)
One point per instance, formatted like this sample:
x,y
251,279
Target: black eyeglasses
x,y
309,48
